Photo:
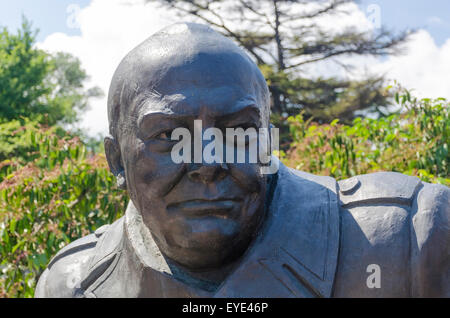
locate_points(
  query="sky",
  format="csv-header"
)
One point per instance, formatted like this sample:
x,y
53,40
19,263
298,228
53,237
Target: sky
x,y
101,32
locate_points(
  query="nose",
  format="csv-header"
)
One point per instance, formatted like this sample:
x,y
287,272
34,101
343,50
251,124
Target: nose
x,y
207,173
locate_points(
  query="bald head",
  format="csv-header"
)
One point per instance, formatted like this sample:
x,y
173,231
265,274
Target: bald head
x,y
182,61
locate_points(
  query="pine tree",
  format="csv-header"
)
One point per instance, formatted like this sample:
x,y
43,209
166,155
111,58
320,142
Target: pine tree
x,y
284,37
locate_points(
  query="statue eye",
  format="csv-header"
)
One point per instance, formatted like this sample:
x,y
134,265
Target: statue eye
x,y
165,135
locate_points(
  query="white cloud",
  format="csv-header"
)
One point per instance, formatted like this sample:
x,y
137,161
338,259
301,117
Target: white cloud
x,y
111,28
425,68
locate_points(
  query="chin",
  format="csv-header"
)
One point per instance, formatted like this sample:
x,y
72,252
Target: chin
x,y
213,259
210,249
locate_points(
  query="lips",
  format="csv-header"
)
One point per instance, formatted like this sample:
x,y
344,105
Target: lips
x,y
223,208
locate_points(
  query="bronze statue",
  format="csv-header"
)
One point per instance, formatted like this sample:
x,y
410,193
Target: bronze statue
x,y
225,229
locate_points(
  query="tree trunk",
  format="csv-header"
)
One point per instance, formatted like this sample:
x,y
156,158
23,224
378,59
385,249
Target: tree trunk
x,y
278,104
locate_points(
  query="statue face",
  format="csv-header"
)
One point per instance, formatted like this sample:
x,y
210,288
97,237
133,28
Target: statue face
x,y
200,215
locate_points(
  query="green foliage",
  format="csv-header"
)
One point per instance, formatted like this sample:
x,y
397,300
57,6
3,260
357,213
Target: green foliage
x,y
68,97
22,73
415,142
35,85
62,193
16,140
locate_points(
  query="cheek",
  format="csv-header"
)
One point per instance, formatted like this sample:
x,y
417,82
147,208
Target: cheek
x,y
151,174
248,176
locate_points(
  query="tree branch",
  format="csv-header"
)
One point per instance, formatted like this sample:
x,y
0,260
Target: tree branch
x,y
220,25
332,6
356,44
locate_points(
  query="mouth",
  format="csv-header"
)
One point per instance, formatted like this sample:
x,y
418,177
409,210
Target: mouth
x,y
222,208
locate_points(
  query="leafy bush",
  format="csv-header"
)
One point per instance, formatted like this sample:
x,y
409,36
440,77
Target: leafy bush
x,y
414,142
62,193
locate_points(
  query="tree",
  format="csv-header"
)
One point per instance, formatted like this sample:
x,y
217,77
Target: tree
x,y
285,36
45,88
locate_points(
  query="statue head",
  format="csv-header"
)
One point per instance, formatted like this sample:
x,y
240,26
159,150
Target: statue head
x,y
201,215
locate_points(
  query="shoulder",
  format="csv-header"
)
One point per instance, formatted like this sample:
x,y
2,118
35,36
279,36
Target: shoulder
x,y
312,179
428,202
433,206
65,270
431,217
431,241
71,264
410,215
379,187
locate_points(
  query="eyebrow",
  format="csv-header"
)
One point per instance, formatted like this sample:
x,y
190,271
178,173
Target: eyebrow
x,y
157,117
247,103
251,109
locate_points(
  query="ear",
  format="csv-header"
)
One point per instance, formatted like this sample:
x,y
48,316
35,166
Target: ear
x,y
114,158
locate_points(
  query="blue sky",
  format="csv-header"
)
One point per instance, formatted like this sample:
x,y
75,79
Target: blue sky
x,y
108,29
433,16
50,15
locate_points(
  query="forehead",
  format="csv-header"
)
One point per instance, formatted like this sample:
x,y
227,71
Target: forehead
x,y
213,84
